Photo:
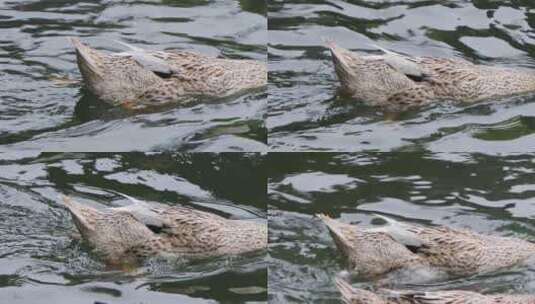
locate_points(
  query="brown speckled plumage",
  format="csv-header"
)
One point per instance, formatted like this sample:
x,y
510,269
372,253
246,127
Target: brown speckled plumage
x,y
464,297
121,80
120,235
372,80
351,295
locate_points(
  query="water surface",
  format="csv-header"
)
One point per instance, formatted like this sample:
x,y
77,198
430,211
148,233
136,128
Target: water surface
x,y
42,260
493,195
306,112
38,113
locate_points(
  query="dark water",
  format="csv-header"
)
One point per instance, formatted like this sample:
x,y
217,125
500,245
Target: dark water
x,y
41,262
307,113
493,195
38,114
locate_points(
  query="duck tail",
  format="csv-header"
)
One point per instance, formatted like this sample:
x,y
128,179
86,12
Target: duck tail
x,y
338,231
331,223
87,60
80,213
328,42
67,201
71,205
399,231
341,58
323,217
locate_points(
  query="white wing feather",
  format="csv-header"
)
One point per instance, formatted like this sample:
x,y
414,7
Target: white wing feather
x,y
146,60
399,232
401,63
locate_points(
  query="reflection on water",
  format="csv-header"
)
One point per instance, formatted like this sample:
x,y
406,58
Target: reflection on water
x,y
39,254
40,108
493,195
307,113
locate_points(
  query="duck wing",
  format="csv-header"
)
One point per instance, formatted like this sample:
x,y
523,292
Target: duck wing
x,y
148,60
145,212
404,64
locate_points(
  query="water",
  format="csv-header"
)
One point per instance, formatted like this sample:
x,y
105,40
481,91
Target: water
x,y
38,114
40,260
307,113
489,194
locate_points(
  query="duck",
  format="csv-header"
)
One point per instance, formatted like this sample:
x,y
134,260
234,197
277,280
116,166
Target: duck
x,y
129,235
370,253
140,78
457,252
398,81
351,295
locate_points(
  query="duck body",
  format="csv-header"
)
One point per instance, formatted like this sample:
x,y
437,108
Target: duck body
x,y
140,78
351,295
460,252
393,80
399,245
133,234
